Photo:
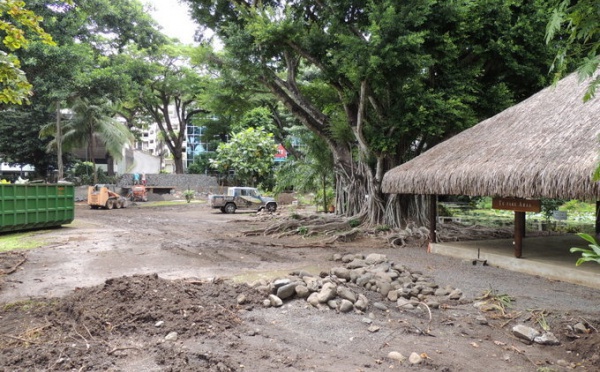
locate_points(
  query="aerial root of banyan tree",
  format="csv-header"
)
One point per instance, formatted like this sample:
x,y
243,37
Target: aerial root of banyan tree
x,y
341,229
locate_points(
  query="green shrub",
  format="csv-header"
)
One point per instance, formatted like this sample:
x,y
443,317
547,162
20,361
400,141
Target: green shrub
x,y
588,255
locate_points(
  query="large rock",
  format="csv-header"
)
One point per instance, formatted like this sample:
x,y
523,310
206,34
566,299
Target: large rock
x,y
547,338
328,292
302,291
341,272
313,299
346,293
345,306
286,291
275,301
375,258
361,303
524,332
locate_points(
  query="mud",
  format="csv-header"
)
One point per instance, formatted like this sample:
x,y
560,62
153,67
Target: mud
x,y
107,292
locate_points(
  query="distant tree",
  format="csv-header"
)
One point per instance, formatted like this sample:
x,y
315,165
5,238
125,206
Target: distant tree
x,y
171,97
93,124
250,153
577,26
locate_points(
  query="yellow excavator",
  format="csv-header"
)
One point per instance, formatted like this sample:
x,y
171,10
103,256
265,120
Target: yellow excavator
x,y
105,196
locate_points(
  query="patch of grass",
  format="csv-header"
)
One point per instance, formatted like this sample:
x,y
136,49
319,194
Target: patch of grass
x,y
167,203
24,305
497,301
354,222
20,241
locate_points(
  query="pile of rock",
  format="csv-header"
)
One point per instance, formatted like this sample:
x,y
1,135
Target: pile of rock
x,y
342,288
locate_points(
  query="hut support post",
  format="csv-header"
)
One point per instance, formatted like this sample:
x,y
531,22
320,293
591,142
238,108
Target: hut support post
x,y
432,218
597,219
519,233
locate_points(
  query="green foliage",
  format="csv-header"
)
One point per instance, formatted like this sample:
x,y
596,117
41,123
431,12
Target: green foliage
x,y
82,173
580,21
15,20
354,222
201,164
189,195
588,255
250,153
549,206
379,82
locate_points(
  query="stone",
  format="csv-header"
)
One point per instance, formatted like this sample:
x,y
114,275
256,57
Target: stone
x,y
346,293
433,304
328,292
347,258
301,291
524,332
275,301
281,282
361,303
373,328
286,291
336,257
393,295
580,328
415,358
172,336
547,338
394,355
356,263
384,288
455,294
364,279
403,303
312,283
333,304
341,272
264,289
441,292
345,306
313,299
367,320
267,303
380,305
160,323
481,320
241,299
375,258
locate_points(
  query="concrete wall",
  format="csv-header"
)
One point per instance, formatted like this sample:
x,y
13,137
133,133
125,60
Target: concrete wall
x,y
198,182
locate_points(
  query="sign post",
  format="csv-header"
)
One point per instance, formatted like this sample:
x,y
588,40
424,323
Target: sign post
x,y
519,206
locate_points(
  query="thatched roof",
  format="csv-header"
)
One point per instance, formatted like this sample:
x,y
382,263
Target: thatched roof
x,y
546,146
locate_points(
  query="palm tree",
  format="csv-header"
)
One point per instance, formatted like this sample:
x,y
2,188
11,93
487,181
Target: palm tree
x,y
93,124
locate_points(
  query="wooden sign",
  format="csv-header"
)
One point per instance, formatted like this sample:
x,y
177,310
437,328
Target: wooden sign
x,y
517,205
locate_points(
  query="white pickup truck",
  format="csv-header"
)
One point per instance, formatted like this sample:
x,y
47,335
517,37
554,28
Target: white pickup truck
x,y
242,198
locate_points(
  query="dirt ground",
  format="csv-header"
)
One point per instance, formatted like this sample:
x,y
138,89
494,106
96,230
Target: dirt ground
x,y
109,291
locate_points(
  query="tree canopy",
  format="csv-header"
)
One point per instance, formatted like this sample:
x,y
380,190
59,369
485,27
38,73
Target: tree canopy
x,y
379,82
16,22
579,24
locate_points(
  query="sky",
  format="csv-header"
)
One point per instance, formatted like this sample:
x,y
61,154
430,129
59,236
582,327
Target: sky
x,y
174,19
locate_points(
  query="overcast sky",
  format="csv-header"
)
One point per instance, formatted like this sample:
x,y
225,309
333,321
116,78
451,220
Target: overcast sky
x,y
174,19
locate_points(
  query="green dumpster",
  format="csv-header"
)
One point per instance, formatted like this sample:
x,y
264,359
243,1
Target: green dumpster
x,y
35,206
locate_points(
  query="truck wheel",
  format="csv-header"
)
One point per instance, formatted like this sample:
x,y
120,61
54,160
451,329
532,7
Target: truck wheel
x,y
110,204
229,208
271,207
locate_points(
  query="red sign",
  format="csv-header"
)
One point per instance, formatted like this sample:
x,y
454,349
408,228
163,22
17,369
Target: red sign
x,y
281,153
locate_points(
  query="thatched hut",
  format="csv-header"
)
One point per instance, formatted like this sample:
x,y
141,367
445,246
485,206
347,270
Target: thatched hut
x,y
547,146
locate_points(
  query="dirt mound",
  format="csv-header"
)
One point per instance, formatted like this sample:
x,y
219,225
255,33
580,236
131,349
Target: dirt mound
x,y
96,327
